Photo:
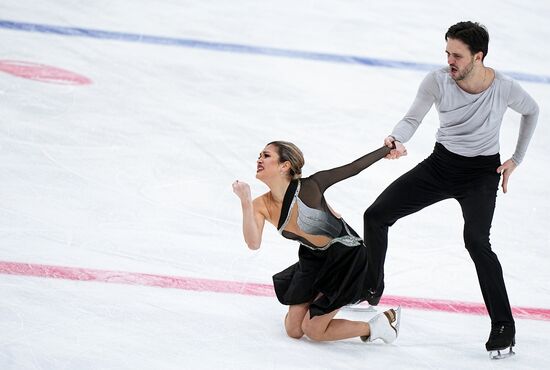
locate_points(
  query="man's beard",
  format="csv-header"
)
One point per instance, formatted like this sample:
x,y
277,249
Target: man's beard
x,y
467,70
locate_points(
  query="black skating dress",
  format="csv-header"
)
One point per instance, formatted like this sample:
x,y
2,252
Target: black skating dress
x,y
332,257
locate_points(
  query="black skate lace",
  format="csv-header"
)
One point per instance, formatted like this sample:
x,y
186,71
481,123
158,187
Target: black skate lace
x,y
497,330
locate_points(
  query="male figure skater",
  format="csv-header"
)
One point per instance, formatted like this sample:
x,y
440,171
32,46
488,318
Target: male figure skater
x,y
465,165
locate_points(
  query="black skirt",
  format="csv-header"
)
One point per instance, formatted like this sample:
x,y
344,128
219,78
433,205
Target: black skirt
x,y
339,273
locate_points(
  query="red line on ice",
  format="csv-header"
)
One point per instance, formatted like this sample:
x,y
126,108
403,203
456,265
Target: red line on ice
x,y
235,287
42,73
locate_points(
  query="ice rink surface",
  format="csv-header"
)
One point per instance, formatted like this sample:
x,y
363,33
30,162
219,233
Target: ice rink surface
x,y
124,123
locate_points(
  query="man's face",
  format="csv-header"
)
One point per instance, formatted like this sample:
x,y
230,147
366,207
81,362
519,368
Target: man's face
x,y
460,59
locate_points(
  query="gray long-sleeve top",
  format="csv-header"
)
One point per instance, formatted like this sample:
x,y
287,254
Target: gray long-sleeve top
x,y
470,123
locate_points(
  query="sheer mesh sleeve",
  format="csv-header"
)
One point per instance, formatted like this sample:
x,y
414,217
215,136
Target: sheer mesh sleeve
x,y
327,178
305,214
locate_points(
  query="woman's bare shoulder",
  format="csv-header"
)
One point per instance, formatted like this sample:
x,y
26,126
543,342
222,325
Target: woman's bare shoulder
x,y
260,203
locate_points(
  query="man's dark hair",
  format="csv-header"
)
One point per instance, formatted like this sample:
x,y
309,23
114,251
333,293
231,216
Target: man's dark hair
x,y
474,35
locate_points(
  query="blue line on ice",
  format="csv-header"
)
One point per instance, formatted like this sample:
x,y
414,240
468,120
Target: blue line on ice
x,y
239,48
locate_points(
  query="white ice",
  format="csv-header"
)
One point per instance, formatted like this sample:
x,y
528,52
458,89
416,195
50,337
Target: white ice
x,y
134,172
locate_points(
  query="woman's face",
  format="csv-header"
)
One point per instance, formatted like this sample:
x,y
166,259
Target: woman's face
x,y
268,164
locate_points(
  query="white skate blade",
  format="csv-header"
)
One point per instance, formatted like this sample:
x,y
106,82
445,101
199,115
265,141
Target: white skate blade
x,y
397,320
359,308
500,354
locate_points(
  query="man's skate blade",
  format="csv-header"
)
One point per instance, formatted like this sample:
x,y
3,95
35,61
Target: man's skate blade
x,y
501,354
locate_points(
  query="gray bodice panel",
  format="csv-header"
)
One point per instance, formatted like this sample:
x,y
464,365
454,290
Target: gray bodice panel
x,y
317,222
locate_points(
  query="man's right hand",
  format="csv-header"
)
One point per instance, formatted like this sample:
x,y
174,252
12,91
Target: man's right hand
x,y
397,149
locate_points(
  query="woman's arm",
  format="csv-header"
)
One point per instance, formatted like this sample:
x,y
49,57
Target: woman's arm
x,y
253,217
327,178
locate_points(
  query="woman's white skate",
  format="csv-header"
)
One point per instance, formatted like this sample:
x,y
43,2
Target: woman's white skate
x,y
384,326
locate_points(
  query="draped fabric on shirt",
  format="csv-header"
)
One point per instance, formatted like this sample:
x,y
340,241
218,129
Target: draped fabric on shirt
x,y
470,123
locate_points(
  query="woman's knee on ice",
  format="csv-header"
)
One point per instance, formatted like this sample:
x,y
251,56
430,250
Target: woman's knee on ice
x,y
293,321
294,331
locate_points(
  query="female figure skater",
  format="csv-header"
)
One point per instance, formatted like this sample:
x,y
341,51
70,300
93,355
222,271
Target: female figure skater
x,y
332,267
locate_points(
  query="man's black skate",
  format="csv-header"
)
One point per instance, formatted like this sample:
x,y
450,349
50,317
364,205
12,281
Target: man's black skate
x,y
502,337
375,295
373,299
